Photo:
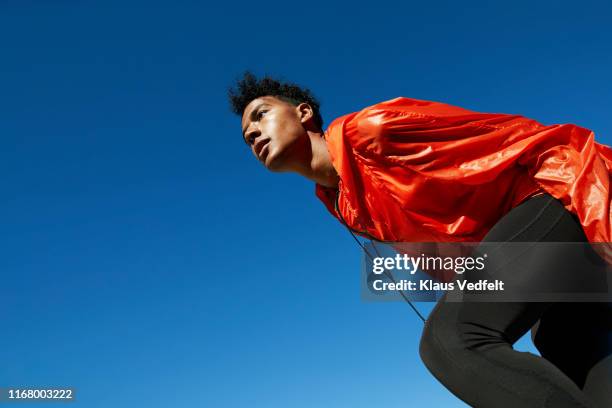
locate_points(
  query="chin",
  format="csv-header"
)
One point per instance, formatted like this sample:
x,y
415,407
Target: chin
x,y
273,164
275,161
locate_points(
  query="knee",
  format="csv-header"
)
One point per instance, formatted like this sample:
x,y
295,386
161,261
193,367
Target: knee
x,y
445,344
427,346
434,349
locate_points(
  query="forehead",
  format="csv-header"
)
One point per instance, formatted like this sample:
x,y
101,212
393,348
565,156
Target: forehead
x,y
268,100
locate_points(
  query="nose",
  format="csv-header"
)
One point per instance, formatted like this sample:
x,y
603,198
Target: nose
x,y
251,135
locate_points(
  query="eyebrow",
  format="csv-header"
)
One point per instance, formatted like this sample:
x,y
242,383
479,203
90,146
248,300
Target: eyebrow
x,y
251,116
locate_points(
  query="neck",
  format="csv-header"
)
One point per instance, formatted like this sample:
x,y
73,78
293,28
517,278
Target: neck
x,y
319,168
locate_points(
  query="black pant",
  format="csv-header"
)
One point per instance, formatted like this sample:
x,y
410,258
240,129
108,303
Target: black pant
x,y
467,346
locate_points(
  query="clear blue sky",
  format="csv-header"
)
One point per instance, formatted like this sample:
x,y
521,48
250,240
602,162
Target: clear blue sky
x,y
139,234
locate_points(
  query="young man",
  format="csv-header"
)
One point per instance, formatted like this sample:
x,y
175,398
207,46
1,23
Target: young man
x,y
409,170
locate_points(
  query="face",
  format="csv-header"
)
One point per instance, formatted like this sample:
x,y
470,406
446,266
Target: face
x,y
275,132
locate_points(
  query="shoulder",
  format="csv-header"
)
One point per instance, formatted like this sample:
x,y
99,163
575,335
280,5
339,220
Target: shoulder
x,y
404,115
358,130
415,107
373,125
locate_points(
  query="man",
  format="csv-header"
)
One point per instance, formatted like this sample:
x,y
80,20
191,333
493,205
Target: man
x,y
419,171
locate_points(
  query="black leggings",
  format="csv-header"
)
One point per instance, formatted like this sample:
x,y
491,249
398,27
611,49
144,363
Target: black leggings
x,y
467,346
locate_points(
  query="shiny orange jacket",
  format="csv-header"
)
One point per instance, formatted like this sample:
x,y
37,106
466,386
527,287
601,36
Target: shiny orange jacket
x,y
419,171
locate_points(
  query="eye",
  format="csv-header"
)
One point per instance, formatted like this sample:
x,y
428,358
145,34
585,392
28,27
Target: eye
x,y
260,113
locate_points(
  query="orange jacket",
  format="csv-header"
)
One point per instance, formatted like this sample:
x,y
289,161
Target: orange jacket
x,y
420,171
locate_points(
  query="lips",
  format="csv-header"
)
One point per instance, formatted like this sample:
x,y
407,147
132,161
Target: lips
x,y
261,148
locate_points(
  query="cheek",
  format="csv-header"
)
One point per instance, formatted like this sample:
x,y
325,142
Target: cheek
x,y
283,132
292,130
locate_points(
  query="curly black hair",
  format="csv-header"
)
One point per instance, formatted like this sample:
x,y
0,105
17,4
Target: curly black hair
x,y
249,88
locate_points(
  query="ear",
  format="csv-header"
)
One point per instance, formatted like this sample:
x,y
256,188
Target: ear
x,y
305,112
